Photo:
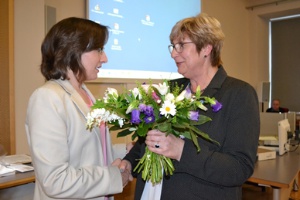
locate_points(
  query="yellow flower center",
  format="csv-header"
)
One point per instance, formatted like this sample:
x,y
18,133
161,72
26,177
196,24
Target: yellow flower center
x,y
168,109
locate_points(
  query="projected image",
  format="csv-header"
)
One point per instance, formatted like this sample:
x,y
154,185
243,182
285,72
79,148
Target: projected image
x,y
139,35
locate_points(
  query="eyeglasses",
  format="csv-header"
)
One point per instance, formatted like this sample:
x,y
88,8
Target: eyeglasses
x,y
101,50
178,47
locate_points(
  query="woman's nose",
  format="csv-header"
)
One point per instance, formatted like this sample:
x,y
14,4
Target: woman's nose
x,y
174,53
103,57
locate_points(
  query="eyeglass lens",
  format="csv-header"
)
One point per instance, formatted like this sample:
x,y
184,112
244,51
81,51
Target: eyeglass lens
x,y
178,47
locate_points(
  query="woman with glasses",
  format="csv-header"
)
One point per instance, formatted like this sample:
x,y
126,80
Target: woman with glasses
x,y
218,170
70,161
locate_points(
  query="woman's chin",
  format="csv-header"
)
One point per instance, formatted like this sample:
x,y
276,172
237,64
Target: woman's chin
x,y
182,72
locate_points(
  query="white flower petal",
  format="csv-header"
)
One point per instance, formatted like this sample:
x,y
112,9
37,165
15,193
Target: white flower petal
x,y
168,108
162,88
169,97
181,96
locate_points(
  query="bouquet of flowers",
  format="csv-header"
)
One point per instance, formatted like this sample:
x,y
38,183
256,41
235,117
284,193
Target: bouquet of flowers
x,y
153,106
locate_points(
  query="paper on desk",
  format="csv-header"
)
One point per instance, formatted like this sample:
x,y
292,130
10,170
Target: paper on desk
x,y
16,159
267,138
21,168
5,171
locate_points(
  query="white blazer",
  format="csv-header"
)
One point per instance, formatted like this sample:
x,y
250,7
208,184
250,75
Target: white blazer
x,y
67,158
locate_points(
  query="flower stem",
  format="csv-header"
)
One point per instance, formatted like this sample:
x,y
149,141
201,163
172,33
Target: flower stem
x,y
152,165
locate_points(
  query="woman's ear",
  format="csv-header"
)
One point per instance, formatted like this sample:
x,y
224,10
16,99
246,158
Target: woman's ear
x,y
206,50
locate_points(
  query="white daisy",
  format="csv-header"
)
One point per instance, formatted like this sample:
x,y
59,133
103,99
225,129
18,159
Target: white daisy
x,y
168,108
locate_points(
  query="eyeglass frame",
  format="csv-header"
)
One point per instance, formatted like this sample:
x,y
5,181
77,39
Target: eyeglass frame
x,y
100,50
171,47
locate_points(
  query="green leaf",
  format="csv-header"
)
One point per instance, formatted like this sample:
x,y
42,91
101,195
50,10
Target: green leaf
x,y
202,134
186,134
181,125
195,141
202,119
160,120
134,136
143,129
164,127
117,127
124,133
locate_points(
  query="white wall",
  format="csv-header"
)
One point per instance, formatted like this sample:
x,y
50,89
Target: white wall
x,y
234,20
29,32
245,52
67,8
259,44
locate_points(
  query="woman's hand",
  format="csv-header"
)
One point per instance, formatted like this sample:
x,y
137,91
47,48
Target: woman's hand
x,y
125,170
169,146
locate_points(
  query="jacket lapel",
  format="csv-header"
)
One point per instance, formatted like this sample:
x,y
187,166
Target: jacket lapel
x,y
75,96
84,109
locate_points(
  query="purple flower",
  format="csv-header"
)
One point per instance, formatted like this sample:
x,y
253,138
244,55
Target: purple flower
x,y
216,106
149,119
193,115
148,110
188,93
142,107
135,116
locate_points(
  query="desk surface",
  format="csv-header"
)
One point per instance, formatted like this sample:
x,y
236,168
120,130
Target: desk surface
x,y
279,172
16,179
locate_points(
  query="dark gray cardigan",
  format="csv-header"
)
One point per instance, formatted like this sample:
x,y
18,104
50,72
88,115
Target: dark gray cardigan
x,y
217,171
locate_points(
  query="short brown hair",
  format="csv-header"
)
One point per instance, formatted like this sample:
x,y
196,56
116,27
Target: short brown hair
x,y
202,30
64,44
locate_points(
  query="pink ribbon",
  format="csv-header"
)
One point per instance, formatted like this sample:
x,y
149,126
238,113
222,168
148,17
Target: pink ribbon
x,y
103,140
103,144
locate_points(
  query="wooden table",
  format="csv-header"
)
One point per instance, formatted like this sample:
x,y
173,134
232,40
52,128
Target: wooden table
x,y
279,173
16,179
